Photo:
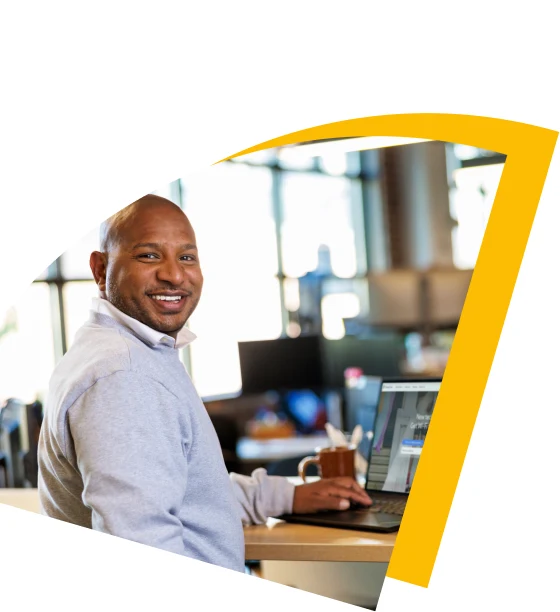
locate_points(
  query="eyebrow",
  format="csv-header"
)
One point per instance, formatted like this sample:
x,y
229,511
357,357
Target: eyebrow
x,y
158,245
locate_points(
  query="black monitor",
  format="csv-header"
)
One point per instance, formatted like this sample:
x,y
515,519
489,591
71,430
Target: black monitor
x,y
282,364
379,355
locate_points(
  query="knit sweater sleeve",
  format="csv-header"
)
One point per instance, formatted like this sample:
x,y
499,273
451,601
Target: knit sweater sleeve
x,y
129,448
262,496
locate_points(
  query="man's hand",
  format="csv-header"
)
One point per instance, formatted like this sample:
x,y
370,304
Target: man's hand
x,y
328,494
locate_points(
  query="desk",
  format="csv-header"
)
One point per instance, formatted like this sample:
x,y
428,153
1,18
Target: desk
x,y
25,499
338,563
353,563
277,540
280,541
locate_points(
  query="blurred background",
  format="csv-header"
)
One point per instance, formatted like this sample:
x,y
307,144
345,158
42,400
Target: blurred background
x,y
323,263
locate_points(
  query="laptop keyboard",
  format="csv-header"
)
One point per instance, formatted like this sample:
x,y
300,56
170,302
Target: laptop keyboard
x,y
387,506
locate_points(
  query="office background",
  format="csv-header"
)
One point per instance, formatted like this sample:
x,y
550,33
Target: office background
x,y
294,244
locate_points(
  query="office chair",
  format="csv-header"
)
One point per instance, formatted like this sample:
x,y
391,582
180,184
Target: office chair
x,y
34,414
4,458
11,424
228,436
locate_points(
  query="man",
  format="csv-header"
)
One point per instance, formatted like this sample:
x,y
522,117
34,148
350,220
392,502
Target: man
x,y
127,446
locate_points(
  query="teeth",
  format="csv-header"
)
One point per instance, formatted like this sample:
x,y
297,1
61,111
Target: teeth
x,y
166,298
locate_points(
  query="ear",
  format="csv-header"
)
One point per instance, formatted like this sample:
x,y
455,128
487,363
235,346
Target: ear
x,y
98,265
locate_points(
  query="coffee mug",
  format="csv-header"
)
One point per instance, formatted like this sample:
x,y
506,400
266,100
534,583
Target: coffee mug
x,y
332,462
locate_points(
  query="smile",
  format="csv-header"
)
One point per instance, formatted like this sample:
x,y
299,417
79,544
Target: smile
x,y
167,298
169,303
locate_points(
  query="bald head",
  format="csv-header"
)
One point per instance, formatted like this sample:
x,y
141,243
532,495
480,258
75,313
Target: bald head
x,y
113,228
148,266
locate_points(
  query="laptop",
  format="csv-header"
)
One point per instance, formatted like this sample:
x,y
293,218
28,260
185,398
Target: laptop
x,y
401,420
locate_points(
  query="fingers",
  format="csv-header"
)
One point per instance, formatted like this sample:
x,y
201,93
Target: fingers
x,y
330,502
329,494
314,497
347,482
358,497
347,488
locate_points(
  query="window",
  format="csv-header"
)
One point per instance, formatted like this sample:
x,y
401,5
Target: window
x,y
231,210
335,308
343,300
268,226
77,302
320,210
282,243
75,261
27,346
471,201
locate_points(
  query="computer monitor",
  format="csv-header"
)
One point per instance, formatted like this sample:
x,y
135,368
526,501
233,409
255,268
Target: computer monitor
x,y
378,355
282,364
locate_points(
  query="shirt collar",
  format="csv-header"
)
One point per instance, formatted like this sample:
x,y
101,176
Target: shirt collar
x,y
149,335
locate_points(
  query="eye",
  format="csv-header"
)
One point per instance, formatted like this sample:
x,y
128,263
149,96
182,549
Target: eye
x,y
188,258
147,256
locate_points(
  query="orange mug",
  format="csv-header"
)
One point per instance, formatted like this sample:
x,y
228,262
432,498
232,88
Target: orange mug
x,y
332,462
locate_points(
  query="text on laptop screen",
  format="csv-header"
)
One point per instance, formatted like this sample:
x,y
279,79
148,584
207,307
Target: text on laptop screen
x,y
399,430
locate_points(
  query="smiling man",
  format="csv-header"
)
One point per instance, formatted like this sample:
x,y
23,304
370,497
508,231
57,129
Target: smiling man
x,y
127,446
149,267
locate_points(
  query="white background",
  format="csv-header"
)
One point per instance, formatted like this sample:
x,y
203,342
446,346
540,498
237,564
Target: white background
x,y
100,105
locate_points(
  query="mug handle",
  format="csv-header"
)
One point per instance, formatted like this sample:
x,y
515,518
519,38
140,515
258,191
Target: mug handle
x,y
304,463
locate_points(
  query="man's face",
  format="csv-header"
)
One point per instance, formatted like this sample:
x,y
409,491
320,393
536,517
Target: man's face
x,y
152,271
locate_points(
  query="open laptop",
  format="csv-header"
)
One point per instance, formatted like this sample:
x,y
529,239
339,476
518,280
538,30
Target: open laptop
x,y
401,420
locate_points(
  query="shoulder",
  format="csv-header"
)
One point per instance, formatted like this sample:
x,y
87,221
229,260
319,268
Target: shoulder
x,y
98,353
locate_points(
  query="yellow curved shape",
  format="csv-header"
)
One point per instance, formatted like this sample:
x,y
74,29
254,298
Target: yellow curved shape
x,y
529,151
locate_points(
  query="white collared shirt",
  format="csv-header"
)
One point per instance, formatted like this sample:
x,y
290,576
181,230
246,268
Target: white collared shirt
x,y
151,336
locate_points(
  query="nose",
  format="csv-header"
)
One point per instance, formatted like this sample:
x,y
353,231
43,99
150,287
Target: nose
x,y
170,271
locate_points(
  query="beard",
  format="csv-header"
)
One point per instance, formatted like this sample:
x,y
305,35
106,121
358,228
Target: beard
x,y
136,308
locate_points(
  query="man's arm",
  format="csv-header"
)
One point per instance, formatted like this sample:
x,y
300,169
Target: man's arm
x,y
130,452
262,496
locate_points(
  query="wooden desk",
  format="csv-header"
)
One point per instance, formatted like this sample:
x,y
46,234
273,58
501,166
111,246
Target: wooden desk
x,y
280,541
353,563
277,540
25,499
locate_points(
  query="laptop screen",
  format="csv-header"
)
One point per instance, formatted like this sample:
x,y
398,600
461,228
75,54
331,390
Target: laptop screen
x,y
401,422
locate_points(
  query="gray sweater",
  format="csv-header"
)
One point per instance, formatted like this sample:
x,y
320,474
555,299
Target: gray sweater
x,y
127,448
